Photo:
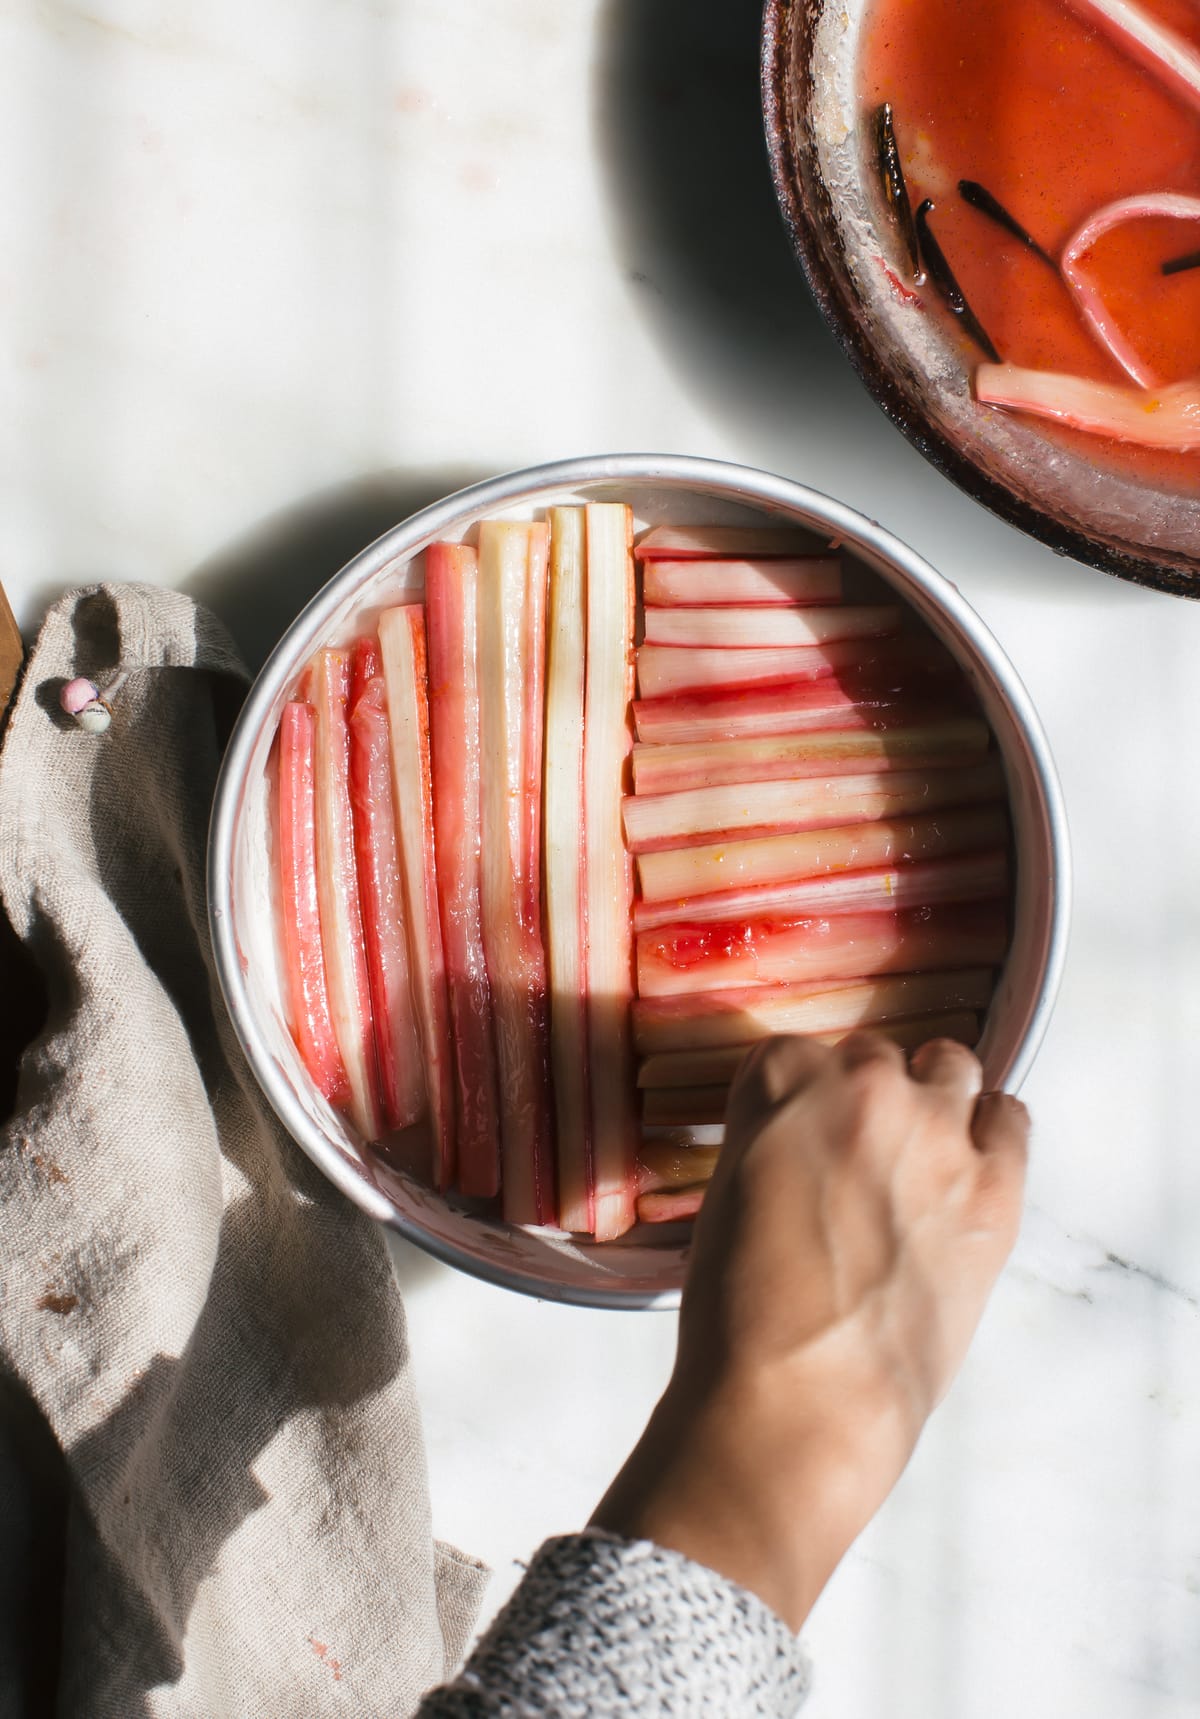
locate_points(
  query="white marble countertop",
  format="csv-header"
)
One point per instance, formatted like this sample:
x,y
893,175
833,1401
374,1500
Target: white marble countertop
x,y
273,276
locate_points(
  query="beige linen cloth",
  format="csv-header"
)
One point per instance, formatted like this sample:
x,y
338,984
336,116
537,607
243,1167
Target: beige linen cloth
x,y
213,1492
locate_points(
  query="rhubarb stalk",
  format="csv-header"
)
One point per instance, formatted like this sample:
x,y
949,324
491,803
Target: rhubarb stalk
x,y
451,586
512,559
1078,249
337,889
564,861
664,670
810,579
303,958
1166,418
790,628
1150,43
402,648
381,893
609,869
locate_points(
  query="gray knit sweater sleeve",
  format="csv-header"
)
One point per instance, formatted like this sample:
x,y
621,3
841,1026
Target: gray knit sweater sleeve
x,y
601,1626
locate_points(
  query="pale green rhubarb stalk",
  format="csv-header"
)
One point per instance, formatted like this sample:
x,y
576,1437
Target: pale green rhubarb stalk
x,y
405,675
608,740
512,610
758,628
564,868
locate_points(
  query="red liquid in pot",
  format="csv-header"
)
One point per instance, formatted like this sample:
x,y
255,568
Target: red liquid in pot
x,y
1056,121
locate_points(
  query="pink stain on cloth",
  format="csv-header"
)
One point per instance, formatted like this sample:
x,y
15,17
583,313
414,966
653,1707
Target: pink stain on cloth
x,y
212,1463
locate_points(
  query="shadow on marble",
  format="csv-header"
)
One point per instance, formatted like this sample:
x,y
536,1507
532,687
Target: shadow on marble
x,y
678,127
259,584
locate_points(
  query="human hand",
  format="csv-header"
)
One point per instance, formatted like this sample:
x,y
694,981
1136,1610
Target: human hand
x,y
859,1215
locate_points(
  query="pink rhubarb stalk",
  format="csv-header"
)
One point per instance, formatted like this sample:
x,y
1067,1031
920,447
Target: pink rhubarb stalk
x,y
841,751
1078,249
683,542
512,559
665,670
680,873
683,959
311,1019
718,1066
673,1206
969,877
810,579
744,809
565,870
1169,56
609,869
747,713
381,893
337,889
788,628
451,586
1166,418
742,1016
402,649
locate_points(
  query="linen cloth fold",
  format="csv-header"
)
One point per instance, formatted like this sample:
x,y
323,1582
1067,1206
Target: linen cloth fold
x,y
213,1491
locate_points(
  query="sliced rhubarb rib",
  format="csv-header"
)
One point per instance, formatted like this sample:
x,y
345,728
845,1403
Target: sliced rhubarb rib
x,y
311,1020
451,587
681,542
719,1065
609,868
381,893
664,1164
1077,252
511,930
672,1206
664,670
683,959
402,650
969,877
566,939
680,873
740,1017
702,815
789,628
337,889
1169,56
860,693
1166,418
848,751
810,579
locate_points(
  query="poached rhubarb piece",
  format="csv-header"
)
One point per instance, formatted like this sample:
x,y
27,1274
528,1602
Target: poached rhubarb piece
x,y
381,893
671,1206
718,1066
759,628
666,1164
1161,418
752,542
512,609
451,600
403,654
810,579
969,877
564,867
311,1019
1152,44
699,815
700,719
608,740
337,890
739,1017
824,752
677,874
688,958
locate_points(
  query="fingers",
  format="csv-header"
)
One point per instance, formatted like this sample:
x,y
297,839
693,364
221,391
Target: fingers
x,y
1000,1131
774,1070
950,1068
859,1049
